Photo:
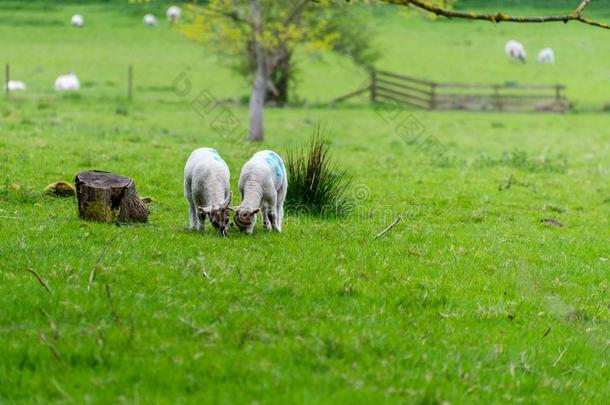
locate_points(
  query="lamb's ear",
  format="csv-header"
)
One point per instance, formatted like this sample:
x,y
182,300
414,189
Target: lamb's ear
x,y
204,210
228,200
256,211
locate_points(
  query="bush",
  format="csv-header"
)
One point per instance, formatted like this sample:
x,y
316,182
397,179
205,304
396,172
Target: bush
x,y
315,185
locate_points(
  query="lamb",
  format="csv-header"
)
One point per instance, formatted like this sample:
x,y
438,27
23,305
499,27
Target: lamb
x,y
77,21
515,50
173,14
15,85
67,82
206,188
546,55
150,20
263,184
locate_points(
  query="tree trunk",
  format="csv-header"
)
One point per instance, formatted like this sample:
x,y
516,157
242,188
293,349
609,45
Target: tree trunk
x,y
259,85
280,77
107,197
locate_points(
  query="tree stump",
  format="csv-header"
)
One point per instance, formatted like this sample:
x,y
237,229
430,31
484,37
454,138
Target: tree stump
x,y
107,197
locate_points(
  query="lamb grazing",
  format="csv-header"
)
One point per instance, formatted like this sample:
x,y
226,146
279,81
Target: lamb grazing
x,y
546,55
206,188
67,82
150,20
515,50
77,21
15,85
263,184
173,14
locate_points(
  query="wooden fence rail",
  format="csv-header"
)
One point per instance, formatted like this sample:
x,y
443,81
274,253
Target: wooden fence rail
x,y
397,88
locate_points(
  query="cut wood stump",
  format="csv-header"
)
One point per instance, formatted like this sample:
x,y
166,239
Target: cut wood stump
x,y
107,197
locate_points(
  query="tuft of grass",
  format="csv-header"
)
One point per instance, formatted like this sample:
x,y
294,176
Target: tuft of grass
x,y
316,185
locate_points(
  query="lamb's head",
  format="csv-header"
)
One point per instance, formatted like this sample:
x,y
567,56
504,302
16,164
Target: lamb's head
x,y
245,218
219,215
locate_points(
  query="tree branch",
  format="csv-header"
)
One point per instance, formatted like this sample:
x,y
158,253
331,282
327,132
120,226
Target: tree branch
x,y
296,12
503,17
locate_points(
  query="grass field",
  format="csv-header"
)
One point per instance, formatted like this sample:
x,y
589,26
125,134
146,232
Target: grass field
x,y
469,299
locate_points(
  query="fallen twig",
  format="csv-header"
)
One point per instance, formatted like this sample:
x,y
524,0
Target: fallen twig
x,y
115,316
551,221
386,230
195,329
40,280
547,332
52,348
512,181
560,356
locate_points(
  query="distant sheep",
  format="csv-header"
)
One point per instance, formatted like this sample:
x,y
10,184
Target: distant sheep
x,y
515,50
173,14
546,55
67,82
150,20
77,21
15,85
263,184
206,188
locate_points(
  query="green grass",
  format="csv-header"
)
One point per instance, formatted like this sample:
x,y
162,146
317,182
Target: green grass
x,y
469,299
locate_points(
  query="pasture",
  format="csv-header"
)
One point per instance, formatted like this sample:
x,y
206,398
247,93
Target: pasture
x,y
494,287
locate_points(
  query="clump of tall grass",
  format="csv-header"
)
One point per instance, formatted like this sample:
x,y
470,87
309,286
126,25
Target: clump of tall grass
x,y
315,185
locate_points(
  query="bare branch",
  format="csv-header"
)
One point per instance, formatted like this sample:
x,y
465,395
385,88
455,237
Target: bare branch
x,y
40,280
296,12
503,17
582,7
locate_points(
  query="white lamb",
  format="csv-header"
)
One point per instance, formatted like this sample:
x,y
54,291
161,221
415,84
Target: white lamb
x,y
263,184
77,21
206,188
173,14
515,50
67,82
15,85
150,20
546,55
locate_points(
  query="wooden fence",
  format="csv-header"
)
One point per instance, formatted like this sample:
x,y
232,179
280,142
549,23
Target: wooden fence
x,y
395,88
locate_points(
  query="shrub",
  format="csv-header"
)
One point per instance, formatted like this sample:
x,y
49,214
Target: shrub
x,y
315,185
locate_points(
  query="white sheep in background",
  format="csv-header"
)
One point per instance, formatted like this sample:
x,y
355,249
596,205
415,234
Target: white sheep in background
x,y
77,21
546,55
173,14
150,20
15,85
515,50
67,82
206,188
263,184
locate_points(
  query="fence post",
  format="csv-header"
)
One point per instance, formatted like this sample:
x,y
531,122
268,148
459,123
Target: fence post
x,y
7,77
130,82
558,92
497,97
373,85
433,103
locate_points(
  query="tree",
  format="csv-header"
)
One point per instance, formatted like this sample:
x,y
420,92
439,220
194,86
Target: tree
x,y
260,37
266,32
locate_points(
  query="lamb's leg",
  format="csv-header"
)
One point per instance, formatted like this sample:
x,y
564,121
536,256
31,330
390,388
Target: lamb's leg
x,y
199,219
192,209
266,217
281,197
201,222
